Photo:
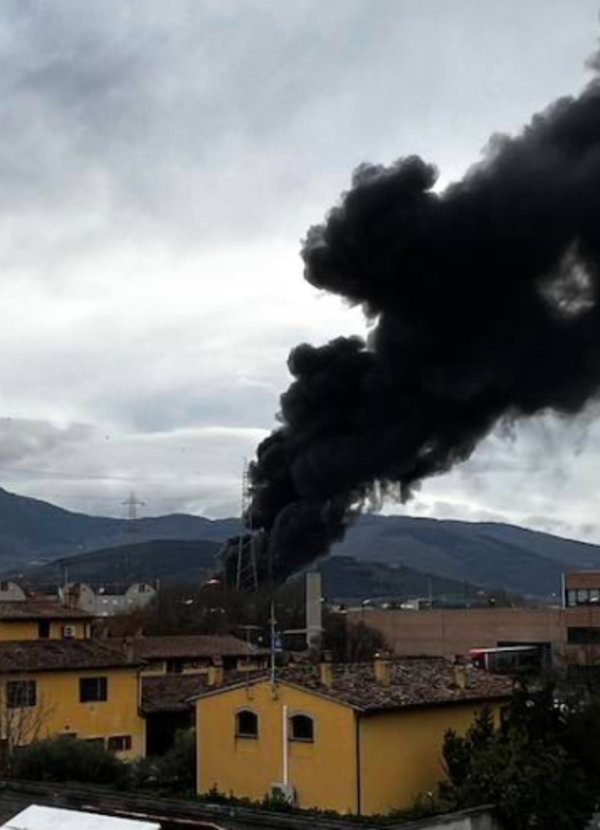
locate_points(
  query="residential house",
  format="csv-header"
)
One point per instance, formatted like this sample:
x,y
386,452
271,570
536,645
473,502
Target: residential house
x,y
110,599
355,738
42,619
11,592
195,654
74,688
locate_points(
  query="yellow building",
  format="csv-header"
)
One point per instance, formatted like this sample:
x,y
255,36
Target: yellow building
x,y
355,738
194,653
79,688
43,620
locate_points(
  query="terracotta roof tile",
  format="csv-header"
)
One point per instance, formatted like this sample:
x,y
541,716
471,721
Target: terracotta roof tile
x,y
52,655
413,682
176,692
191,646
40,610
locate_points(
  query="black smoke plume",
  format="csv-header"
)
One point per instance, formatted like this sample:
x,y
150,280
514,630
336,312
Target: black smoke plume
x,y
485,306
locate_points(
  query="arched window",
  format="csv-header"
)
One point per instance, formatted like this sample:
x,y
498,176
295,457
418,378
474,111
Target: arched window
x,y
302,728
246,724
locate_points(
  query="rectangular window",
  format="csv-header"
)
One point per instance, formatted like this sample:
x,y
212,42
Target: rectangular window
x,y
20,693
92,689
583,636
174,666
119,743
44,629
571,598
4,586
95,742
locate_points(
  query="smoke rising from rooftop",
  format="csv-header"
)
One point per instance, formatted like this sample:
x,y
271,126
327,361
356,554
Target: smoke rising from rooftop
x,y
484,302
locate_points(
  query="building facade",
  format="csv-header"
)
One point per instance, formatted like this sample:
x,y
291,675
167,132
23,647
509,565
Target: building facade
x,y
354,738
71,688
42,620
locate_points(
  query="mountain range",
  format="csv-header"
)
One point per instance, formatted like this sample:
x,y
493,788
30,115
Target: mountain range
x,y
494,555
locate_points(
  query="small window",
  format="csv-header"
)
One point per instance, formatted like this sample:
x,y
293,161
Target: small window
x,y
44,629
174,666
246,724
119,743
92,689
95,742
582,596
4,586
20,693
571,598
302,728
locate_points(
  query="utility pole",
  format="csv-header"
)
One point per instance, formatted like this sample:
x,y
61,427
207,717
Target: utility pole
x,y
272,623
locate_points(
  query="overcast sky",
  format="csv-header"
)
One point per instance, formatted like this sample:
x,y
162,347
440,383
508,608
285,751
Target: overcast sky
x,y
159,164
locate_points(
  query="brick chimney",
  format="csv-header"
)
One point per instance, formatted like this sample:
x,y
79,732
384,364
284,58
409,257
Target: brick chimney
x,y
326,669
383,669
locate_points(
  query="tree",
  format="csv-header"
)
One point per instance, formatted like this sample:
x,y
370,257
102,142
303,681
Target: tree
x,y
533,766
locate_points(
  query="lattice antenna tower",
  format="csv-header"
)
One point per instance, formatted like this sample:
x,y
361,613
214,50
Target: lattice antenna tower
x,y
246,571
132,504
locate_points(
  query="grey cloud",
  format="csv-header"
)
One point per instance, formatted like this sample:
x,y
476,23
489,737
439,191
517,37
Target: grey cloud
x,y
138,138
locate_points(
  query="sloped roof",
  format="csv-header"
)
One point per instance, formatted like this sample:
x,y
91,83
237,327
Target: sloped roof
x,y
53,655
44,609
191,646
175,692
413,682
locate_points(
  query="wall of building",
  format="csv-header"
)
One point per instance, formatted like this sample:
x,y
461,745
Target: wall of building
x,y
106,604
323,773
11,592
30,629
446,633
59,711
401,753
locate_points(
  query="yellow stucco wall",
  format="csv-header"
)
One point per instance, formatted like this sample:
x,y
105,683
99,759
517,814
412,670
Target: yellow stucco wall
x,y
60,712
400,753
323,773
29,629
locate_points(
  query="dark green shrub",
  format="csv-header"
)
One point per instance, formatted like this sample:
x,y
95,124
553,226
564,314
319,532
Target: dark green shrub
x,y
67,759
175,771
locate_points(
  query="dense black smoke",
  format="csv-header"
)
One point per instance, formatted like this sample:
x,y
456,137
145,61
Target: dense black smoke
x,y
485,304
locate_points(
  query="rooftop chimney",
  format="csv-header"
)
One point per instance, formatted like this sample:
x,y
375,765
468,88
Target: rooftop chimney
x,y
216,673
383,669
326,669
460,676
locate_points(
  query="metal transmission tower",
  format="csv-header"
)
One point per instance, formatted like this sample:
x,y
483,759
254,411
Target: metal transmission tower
x,y
132,504
246,571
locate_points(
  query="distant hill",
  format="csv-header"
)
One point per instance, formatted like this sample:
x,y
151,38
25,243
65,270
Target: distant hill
x,y
345,579
33,531
166,560
489,554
